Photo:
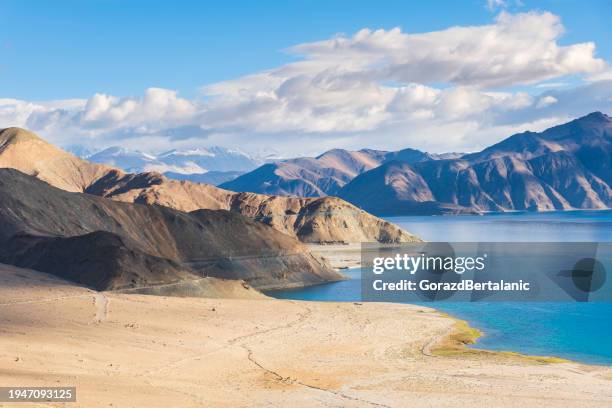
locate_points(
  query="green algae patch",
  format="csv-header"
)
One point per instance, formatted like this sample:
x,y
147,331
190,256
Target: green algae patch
x,y
462,335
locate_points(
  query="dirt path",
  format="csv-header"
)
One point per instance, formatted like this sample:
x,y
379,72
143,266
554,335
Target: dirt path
x,y
101,304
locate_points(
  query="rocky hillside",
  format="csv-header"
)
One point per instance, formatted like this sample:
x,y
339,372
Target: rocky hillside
x,y
106,244
318,176
26,152
318,220
308,176
313,220
396,188
562,168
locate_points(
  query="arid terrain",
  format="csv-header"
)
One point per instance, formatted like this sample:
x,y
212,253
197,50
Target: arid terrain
x,y
106,244
128,350
311,220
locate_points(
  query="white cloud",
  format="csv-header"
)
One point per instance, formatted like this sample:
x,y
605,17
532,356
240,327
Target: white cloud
x,y
516,49
105,110
604,75
441,90
545,101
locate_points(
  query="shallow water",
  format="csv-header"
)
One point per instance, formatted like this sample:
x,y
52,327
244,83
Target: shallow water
x,y
577,331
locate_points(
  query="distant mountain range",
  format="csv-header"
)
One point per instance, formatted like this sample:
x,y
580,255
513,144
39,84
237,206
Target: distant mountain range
x,y
213,165
320,176
565,167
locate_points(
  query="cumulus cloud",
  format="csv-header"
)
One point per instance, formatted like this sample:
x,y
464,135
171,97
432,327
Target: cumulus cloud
x,y
545,101
516,49
442,90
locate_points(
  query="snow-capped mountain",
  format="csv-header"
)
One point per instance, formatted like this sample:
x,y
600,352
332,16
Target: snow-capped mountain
x,y
128,160
211,159
186,162
80,151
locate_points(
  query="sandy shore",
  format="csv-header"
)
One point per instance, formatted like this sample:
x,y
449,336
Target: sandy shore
x,y
125,350
339,256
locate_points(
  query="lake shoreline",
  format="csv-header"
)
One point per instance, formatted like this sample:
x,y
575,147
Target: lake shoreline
x,y
349,256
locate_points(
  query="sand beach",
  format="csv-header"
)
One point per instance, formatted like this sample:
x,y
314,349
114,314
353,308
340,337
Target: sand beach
x,y
129,350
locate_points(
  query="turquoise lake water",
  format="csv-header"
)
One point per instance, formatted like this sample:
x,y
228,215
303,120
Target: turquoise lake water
x,y
577,331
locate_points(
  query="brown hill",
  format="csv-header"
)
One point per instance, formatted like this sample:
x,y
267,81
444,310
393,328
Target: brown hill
x,y
313,220
26,152
111,245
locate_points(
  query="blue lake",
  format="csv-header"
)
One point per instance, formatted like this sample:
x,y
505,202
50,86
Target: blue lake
x,y
577,331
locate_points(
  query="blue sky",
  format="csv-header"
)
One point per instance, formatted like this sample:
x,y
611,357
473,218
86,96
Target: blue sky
x,y
72,49
65,50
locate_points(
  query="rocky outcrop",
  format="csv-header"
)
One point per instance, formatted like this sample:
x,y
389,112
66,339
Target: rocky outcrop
x,y
324,220
335,220
106,244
